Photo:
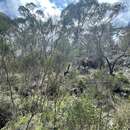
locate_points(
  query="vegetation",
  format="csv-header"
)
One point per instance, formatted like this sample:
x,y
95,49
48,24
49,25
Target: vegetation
x,y
70,73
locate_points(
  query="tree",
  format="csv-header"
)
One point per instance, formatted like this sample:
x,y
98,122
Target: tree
x,y
90,26
42,53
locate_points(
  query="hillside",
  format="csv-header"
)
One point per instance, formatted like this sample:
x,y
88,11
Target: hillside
x,y
67,73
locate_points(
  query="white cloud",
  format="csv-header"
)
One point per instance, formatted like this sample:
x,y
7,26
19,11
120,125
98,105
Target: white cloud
x,y
109,1
11,7
50,8
124,17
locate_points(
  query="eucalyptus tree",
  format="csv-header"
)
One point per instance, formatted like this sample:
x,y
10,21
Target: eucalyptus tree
x,y
42,53
6,60
89,24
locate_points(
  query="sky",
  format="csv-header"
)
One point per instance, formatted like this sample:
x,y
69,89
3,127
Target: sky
x,y
54,8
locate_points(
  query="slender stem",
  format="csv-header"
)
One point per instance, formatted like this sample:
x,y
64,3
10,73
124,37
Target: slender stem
x,y
29,121
10,86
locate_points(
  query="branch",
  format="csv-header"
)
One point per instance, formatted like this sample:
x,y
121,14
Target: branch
x,y
116,60
108,62
29,121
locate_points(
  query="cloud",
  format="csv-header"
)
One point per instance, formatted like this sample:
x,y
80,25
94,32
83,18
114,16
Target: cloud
x,y
54,8
123,19
63,3
109,1
50,8
10,7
